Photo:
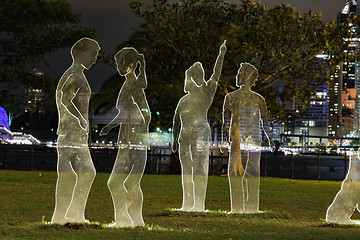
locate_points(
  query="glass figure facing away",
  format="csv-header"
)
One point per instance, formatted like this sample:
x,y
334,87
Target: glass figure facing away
x,y
194,135
133,119
246,111
75,168
347,199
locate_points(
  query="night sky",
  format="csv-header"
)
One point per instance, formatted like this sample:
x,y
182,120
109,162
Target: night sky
x,y
113,21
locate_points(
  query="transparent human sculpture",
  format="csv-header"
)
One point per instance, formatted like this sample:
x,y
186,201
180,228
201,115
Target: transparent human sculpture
x,y
133,120
75,168
246,111
347,199
191,132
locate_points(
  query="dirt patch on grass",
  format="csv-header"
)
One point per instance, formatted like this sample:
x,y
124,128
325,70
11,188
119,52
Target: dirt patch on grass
x,y
72,226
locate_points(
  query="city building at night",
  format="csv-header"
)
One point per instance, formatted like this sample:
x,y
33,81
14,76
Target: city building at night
x,y
344,89
313,121
33,96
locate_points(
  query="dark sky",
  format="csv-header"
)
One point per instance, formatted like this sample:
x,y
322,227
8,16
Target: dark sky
x,y
113,21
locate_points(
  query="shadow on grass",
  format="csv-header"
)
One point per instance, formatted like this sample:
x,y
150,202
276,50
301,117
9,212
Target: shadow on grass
x,y
169,212
337,225
96,225
173,212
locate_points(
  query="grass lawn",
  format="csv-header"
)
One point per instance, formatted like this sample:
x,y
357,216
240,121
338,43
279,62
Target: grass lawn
x,y
294,209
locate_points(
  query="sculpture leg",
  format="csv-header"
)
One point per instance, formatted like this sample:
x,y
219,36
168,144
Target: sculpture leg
x,y
132,184
64,185
251,182
187,177
85,171
200,176
343,205
235,175
121,170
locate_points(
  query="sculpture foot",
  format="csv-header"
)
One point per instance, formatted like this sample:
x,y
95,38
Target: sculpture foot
x,y
118,225
234,211
250,211
138,224
186,209
199,209
61,221
341,221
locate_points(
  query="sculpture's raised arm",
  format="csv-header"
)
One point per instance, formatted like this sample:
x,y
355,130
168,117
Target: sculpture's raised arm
x,y
219,63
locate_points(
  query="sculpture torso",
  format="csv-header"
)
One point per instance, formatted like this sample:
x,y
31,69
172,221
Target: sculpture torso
x,y
132,123
73,85
193,109
245,116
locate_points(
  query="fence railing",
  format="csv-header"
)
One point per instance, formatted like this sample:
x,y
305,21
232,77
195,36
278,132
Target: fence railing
x,y
161,160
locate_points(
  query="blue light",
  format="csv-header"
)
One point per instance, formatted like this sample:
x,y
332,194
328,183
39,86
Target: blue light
x,y
4,119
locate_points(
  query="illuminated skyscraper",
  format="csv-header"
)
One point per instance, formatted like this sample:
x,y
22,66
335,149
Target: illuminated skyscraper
x,y
34,96
346,80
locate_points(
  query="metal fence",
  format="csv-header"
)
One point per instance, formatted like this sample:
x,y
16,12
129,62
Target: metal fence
x,y
161,160
305,166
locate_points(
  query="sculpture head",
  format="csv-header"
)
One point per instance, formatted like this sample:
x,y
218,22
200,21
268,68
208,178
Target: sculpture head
x,y
194,77
126,60
247,75
85,52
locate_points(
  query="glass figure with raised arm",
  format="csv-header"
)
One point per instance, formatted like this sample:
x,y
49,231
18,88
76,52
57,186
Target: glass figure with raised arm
x,y
191,132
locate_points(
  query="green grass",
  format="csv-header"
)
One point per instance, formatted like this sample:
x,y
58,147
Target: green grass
x,y
292,209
